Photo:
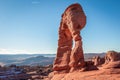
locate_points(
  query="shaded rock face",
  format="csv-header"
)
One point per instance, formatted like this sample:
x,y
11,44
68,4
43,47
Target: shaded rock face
x,y
73,20
90,66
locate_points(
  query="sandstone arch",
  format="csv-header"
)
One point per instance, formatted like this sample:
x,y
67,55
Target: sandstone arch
x,y
73,20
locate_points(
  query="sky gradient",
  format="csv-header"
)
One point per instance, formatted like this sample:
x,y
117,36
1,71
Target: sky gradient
x,y
31,26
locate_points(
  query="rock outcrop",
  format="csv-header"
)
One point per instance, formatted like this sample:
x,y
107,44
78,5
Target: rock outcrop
x,y
97,60
109,69
112,56
112,60
73,20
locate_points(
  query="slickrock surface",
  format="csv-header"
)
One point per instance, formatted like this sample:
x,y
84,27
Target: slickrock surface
x,y
73,20
107,71
90,75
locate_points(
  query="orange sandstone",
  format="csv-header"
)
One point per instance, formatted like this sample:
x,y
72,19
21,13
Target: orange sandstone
x,y
73,20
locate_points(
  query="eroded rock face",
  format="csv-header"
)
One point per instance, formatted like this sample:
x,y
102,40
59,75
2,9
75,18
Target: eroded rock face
x,y
73,20
112,56
97,60
112,60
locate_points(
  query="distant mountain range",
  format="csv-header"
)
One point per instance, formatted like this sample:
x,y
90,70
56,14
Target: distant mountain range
x,y
35,59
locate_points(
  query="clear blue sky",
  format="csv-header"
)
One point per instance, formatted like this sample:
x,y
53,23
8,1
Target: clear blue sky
x,y
31,26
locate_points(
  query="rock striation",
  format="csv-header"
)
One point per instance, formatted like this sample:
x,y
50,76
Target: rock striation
x,y
69,57
112,56
112,60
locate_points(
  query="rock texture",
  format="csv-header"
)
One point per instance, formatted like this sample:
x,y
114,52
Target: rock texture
x,y
107,74
112,56
109,70
69,57
89,66
97,60
112,60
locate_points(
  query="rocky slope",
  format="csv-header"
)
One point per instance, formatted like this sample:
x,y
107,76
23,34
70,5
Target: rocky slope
x,y
105,71
104,74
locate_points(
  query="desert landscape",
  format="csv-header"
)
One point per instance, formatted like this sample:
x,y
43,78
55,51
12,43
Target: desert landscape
x,y
107,68
97,68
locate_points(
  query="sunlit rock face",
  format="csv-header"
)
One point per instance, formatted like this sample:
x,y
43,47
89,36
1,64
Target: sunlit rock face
x,y
112,56
112,60
69,58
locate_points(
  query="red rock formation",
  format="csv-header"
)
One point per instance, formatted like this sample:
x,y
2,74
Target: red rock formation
x,y
112,56
97,60
109,71
73,20
89,66
108,74
112,60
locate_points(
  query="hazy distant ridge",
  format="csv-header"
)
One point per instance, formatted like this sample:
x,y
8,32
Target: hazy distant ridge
x,y
36,59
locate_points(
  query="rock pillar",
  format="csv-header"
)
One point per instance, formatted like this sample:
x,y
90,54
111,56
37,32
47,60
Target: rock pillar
x,y
72,22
